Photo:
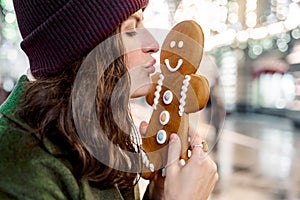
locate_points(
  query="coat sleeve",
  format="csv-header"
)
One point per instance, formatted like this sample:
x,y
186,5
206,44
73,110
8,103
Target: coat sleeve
x,y
27,171
37,180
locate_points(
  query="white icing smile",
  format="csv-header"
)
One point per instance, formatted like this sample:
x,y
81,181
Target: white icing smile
x,y
171,69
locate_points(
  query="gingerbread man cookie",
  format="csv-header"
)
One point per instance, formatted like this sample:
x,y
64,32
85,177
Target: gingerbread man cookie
x,y
177,91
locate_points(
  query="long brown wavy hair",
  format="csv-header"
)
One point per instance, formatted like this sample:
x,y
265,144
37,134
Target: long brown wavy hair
x,y
96,131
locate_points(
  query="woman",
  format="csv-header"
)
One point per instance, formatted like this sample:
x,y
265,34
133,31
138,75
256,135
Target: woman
x,y
66,131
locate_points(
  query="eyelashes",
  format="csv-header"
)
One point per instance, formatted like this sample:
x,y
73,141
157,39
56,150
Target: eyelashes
x,y
131,33
179,45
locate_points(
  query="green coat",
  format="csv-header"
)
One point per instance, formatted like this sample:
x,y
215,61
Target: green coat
x,y
34,172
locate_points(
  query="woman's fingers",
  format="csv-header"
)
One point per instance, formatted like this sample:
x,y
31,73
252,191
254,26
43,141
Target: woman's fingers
x,y
143,128
192,133
173,155
197,178
197,146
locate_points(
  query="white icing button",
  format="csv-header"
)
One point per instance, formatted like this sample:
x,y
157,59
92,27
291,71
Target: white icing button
x,y
180,44
161,137
164,117
168,97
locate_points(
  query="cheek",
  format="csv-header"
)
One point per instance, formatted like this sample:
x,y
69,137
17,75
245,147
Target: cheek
x,y
132,59
139,76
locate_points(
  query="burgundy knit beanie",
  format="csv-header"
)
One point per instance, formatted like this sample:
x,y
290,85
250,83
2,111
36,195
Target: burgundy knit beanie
x,y
58,32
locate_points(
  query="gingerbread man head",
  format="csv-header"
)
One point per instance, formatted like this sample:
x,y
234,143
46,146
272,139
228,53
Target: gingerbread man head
x,y
182,48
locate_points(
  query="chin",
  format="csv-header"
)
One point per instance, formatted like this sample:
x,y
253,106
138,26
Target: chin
x,y
142,91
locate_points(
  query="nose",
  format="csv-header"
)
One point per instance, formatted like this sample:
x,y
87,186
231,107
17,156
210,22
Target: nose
x,y
149,45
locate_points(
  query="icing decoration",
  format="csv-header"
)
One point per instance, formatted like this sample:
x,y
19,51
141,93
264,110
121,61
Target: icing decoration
x,y
157,91
161,137
177,91
180,44
184,89
168,97
163,172
146,161
179,63
172,44
164,117
182,162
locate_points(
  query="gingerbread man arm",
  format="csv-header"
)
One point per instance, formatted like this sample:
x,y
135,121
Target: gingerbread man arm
x,y
198,91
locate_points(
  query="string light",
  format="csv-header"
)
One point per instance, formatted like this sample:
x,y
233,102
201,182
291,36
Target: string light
x,y
224,20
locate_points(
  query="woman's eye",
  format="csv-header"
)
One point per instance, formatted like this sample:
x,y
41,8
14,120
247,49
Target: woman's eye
x,y
131,33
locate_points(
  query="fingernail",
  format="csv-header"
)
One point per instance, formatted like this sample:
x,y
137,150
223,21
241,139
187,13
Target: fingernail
x,y
173,137
143,128
143,124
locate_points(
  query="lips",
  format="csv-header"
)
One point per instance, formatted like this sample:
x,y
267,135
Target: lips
x,y
151,69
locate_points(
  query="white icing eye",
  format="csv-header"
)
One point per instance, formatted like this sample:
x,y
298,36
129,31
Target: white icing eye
x,y
161,137
180,44
172,44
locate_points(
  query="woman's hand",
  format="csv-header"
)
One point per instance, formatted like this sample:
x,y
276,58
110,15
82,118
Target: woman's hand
x,y
194,180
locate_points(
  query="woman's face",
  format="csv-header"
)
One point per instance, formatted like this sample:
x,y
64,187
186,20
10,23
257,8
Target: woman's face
x,y
139,46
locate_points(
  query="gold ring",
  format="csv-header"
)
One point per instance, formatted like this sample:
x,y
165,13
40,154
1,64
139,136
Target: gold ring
x,y
203,146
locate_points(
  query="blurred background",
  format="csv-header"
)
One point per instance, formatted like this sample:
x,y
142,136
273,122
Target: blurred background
x,y
252,62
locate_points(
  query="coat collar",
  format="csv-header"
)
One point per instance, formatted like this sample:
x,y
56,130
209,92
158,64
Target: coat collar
x,y
12,104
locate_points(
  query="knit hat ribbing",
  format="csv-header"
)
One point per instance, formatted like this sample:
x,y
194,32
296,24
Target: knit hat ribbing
x,y
58,32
